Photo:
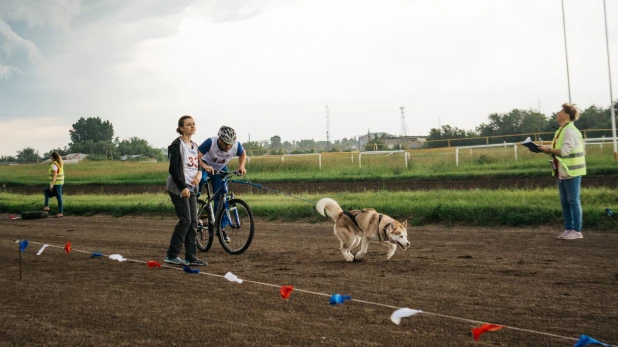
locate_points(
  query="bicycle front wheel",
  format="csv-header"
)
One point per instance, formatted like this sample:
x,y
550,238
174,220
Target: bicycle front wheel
x,y
205,228
235,226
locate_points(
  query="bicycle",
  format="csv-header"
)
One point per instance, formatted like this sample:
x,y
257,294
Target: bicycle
x,y
230,223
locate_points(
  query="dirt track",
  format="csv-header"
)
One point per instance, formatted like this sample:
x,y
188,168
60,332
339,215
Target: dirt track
x,y
345,186
517,277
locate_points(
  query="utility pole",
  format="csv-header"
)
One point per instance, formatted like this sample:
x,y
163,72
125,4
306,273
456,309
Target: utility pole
x,y
327,128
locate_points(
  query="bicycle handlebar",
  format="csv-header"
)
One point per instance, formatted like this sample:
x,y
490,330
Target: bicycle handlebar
x,y
226,173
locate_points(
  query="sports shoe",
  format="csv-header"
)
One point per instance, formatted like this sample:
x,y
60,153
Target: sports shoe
x,y
225,237
175,261
573,235
195,262
562,235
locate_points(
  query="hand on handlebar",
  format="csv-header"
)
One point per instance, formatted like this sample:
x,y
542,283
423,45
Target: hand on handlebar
x,y
207,168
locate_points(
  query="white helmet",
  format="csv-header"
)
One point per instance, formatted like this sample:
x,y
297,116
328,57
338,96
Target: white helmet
x,y
227,135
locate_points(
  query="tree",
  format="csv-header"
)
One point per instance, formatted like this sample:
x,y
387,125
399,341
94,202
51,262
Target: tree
x,y
287,145
135,145
91,129
437,137
62,151
514,122
8,159
27,155
275,142
254,148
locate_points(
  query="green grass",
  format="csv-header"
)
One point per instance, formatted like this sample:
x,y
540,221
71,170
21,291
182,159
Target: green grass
x,y
476,207
427,164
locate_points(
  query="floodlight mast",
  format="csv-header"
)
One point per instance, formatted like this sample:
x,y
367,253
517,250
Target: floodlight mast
x,y
611,93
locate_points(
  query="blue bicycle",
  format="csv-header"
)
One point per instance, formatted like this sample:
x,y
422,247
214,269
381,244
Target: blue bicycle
x,y
234,224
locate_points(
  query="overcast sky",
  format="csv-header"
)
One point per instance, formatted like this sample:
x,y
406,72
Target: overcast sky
x,y
270,67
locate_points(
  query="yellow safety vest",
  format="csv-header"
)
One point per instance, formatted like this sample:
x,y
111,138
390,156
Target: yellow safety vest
x,y
59,176
575,162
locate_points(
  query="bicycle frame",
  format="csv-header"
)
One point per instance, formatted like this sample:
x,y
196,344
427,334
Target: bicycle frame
x,y
223,200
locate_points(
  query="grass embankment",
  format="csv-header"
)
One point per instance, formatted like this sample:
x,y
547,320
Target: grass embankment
x,y
422,165
476,207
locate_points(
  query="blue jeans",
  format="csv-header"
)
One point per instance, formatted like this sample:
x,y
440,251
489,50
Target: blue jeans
x,y
571,206
216,182
58,188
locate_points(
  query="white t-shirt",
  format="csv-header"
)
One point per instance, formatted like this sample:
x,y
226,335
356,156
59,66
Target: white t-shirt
x,y
54,167
190,165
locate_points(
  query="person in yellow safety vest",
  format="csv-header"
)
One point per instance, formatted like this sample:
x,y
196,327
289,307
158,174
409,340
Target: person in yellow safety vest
x,y
56,181
569,164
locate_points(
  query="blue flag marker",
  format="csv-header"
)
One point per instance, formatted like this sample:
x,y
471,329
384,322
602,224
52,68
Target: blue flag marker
x,y
190,270
22,245
337,299
586,340
96,254
609,212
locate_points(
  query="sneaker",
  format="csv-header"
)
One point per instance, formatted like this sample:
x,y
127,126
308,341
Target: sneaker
x,y
573,235
175,261
562,235
195,262
225,237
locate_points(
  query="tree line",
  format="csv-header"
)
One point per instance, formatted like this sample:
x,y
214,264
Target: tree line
x,y
518,122
94,137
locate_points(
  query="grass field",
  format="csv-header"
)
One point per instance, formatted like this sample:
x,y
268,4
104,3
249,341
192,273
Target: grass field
x,y
476,207
426,164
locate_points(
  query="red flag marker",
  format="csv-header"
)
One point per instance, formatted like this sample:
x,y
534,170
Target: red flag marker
x,y
477,332
286,291
67,247
152,264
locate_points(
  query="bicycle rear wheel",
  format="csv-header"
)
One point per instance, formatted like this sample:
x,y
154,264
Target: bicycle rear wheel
x,y
237,224
205,228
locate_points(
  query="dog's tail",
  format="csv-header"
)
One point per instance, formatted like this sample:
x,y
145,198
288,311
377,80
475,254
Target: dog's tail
x,y
329,207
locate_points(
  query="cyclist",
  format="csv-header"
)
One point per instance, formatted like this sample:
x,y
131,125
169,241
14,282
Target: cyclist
x,y
216,152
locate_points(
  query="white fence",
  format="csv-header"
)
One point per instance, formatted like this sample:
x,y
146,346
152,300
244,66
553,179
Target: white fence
x,y
587,142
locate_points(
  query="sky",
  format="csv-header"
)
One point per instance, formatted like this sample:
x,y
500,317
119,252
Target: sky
x,y
272,67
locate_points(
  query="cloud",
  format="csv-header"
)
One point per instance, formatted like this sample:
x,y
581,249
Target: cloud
x,y
14,44
7,71
42,13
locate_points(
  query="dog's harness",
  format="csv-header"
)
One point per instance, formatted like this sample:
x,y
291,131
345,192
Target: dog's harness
x,y
384,229
353,218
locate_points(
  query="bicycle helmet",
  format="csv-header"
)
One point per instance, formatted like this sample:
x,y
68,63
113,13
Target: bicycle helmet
x,y
227,135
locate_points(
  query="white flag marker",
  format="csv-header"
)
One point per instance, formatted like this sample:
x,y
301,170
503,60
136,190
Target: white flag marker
x,y
232,278
402,313
42,249
117,257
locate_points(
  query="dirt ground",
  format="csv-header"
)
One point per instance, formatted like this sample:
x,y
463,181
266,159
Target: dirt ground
x,y
343,186
523,278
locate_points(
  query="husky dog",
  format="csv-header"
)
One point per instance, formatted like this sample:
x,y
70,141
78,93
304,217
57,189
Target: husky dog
x,y
362,226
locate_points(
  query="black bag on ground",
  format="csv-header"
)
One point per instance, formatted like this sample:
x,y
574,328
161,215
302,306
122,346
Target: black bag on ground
x,y
34,215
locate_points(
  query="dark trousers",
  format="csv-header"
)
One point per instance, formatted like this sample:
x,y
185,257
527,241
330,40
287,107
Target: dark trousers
x,y
185,229
58,188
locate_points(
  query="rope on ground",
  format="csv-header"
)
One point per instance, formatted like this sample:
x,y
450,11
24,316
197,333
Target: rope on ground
x,y
328,295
